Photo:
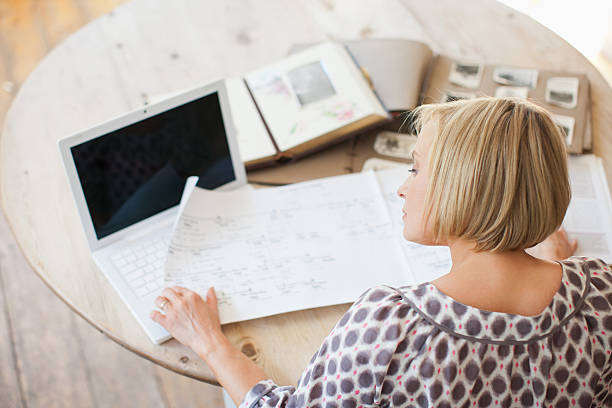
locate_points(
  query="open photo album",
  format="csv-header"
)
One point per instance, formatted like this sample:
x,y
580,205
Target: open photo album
x,y
301,104
406,73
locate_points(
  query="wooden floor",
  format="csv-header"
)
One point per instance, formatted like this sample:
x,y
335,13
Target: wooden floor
x,y
49,356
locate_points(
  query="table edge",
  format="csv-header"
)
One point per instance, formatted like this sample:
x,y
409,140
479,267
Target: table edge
x,y
101,329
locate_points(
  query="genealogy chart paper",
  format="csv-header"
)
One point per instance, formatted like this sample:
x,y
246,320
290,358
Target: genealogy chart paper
x,y
589,216
276,250
426,262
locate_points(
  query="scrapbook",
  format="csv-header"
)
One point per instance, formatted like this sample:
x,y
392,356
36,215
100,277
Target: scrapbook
x,y
303,103
408,73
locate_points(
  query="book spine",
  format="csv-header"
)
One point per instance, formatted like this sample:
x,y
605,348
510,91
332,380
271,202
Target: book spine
x,y
246,84
367,77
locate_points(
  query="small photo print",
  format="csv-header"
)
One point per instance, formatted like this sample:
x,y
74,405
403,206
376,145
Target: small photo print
x,y
562,91
310,83
451,96
376,164
516,77
512,92
269,82
465,74
592,244
395,144
566,123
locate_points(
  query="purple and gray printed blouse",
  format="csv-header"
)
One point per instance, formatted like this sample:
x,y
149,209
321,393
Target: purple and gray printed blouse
x,y
417,347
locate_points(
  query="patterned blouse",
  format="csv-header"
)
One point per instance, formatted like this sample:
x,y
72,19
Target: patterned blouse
x,y
417,347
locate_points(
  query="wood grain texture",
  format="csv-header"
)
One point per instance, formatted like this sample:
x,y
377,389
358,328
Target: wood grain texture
x,y
117,63
49,367
57,19
117,379
496,34
20,33
93,9
35,371
120,61
21,47
11,394
39,322
184,392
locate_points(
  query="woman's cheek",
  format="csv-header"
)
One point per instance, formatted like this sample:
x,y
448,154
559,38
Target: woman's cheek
x,y
412,227
413,220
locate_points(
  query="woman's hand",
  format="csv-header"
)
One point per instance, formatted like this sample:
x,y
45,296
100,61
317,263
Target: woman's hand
x,y
556,247
195,322
190,319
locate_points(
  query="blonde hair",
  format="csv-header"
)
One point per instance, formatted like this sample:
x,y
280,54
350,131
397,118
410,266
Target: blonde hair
x,y
498,172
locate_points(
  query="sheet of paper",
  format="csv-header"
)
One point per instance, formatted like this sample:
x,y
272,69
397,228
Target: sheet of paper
x,y
253,139
465,74
311,93
426,262
325,241
589,216
276,250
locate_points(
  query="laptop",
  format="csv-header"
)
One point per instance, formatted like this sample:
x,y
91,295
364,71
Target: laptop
x,y
127,177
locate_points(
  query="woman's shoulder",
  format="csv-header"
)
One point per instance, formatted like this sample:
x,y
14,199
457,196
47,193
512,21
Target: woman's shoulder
x,y
589,281
587,264
381,315
381,302
377,303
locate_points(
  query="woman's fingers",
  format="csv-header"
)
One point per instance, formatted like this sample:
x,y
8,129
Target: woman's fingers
x,y
171,295
161,302
211,297
210,294
180,290
158,318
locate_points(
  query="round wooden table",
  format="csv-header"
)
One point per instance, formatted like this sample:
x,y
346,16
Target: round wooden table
x,y
153,47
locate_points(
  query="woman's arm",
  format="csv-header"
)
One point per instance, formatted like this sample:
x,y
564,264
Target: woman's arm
x,y
234,371
336,371
195,322
556,247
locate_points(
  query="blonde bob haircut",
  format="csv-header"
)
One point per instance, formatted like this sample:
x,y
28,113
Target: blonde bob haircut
x,y
498,172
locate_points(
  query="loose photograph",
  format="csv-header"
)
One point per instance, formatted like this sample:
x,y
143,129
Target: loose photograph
x,y
395,144
516,77
311,83
562,91
465,74
450,96
512,92
566,123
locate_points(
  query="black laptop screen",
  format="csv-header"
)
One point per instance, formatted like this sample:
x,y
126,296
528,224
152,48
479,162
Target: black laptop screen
x,y
135,172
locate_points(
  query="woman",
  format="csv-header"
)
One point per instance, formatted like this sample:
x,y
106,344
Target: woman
x,y
502,328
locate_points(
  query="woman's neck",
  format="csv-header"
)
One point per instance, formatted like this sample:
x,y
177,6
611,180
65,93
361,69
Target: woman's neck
x,y
508,281
467,260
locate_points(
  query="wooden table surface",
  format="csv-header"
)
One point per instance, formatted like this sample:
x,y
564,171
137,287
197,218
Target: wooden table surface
x,y
153,47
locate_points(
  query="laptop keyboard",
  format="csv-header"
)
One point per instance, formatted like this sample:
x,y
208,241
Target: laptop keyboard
x,y
142,265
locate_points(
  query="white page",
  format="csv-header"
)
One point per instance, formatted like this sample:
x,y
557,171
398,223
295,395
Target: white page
x,y
588,219
190,185
589,216
276,250
426,262
253,139
311,93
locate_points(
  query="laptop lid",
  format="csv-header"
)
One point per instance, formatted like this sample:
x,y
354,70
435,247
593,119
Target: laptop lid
x,y
128,174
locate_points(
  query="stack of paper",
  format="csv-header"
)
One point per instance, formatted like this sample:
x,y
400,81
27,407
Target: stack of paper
x,y
589,216
300,246
326,241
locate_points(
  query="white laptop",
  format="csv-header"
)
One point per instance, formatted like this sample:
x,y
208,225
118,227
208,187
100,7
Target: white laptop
x,y
127,177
